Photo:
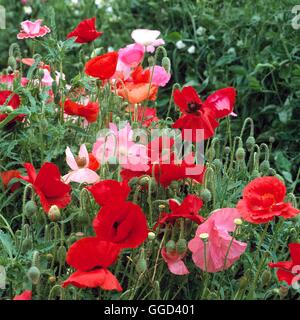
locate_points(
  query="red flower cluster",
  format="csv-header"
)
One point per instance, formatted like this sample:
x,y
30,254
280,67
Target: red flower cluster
x,y
102,67
202,115
188,209
7,176
48,185
289,271
263,199
165,166
85,31
119,224
89,112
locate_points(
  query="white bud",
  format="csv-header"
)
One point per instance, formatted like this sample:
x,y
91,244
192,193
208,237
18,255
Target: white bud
x,y
238,221
180,45
204,236
191,50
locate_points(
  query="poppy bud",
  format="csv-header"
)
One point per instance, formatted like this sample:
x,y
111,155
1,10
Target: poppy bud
x,y
151,61
283,292
250,142
143,181
240,154
132,182
49,256
141,265
205,195
52,279
174,185
227,150
255,174
211,153
243,282
170,246
271,139
264,167
61,254
238,221
181,246
161,208
272,172
217,163
30,208
151,235
40,73
34,275
166,64
36,259
266,277
26,245
12,62
54,213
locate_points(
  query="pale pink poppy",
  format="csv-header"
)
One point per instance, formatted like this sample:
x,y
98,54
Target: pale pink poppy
x,y
217,226
47,79
160,76
147,38
80,167
174,262
117,146
8,80
32,29
132,55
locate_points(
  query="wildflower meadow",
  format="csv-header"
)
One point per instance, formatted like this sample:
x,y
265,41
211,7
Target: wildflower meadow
x,y
132,170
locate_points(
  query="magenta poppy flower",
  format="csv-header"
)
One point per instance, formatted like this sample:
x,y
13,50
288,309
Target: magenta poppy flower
x,y
132,55
217,226
32,29
160,76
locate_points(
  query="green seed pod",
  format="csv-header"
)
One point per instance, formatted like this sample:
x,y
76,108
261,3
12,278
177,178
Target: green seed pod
x,y
264,167
61,255
250,142
240,154
272,172
30,208
181,246
255,174
54,213
170,246
26,245
266,277
243,282
166,64
141,265
205,195
34,275
218,164
227,150
12,62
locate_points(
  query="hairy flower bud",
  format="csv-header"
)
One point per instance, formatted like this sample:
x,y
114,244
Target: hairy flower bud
x,y
151,235
54,213
181,246
240,154
61,255
12,62
217,163
250,142
266,277
166,64
30,208
205,195
170,246
264,167
34,275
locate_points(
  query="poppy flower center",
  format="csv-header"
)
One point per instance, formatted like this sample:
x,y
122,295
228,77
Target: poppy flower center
x,y
193,107
268,199
81,162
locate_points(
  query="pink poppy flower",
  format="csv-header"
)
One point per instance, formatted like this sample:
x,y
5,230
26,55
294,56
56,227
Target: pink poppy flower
x,y
118,145
218,226
174,262
132,55
147,38
160,76
81,172
32,29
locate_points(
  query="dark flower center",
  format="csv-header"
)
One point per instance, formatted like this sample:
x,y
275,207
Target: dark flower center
x,y
116,225
193,107
81,162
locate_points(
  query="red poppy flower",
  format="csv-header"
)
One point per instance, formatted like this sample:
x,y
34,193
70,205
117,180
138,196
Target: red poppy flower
x,y
93,163
188,209
263,199
289,271
7,176
91,256
25,295
196,115
109,191
222,102
144,114
89,111
14,102
85,31
102,278
102,67
123,223
48,185
89,253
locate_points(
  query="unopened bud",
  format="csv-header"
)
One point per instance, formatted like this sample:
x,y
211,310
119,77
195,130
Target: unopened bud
x,y
54,213
12,62
141,265
255,174
34,275
181,246
144,181
243,282
61,255
205,195
238,221
204,236
170,246
227,150
151,235
30,208
166,63
250,142
283,292
264,167
52,279
217,163
266,277
240,154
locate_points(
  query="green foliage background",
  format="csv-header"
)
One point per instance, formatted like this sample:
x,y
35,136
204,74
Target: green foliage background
x,y
250,45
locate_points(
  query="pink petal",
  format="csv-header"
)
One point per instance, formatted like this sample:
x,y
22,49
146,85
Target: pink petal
x,y
71,160
83,175
83,153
